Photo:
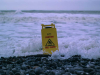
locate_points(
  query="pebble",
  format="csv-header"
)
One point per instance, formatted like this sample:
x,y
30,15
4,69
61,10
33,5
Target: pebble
x,y
11,73
17,73
38,70
67,73
23,67
32,65
14,70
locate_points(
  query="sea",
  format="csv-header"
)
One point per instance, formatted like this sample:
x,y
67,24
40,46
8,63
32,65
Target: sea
x,y
78,32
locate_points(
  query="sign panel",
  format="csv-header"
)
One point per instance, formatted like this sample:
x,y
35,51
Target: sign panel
x,y
49,38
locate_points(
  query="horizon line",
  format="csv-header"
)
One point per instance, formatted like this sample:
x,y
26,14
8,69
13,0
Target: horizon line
x,y
48,10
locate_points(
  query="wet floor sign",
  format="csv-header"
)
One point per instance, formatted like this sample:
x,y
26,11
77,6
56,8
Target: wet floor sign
x,y
49,39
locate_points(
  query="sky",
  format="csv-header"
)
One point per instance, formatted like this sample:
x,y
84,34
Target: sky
x,y
50,5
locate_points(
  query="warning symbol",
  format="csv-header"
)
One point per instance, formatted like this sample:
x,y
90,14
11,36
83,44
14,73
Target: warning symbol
x,y
50,43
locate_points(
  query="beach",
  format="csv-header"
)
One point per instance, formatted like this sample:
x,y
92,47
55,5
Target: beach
x,y
78,34
44,65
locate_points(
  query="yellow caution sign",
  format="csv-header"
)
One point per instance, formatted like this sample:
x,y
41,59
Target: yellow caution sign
x,y
49,38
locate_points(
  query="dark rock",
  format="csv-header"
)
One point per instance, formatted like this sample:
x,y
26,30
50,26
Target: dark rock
x,y
36,64
38,70
79,72
88,69
97,70
7,71
96,63
32,73
92,72
77,57
17,73
42,74
59,64
63,67
9,66
22,72
2,72
78,68
67,73
66,69
51,73
14,70
11,73
53,65
9,62
74,58
58,72
0,66
62,71
19,61
97,67
84,63
24,67
30,65
72,70
4,68
38,59
92,65
98,73
62,55
69,66
2,58
27,72
73,74
46,72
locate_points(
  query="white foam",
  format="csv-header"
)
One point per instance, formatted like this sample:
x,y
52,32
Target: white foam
x,y
78,34
85,46
19,17
21,48
18,12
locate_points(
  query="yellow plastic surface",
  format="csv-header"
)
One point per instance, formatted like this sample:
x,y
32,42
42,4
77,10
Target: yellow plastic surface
x,y
49,39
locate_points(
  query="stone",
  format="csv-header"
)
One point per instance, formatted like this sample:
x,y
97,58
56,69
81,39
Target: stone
x,y
22,72
88,69
92,72
0,66
4,68
19,61
9,66
98,73
38,70
58,72
72,70
24,67
67,73
14,70
17,73
83,63
31,65
46,72
51,73
32,73
79,72
11,73
78,68
92,65
2,72
97,67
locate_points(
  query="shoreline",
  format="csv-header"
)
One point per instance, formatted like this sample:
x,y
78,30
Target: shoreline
x,y
42,65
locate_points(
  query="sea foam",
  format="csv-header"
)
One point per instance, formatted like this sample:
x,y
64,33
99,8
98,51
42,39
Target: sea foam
x,y
78,34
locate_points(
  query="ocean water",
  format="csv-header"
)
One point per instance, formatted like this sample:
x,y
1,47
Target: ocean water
x,y
78,33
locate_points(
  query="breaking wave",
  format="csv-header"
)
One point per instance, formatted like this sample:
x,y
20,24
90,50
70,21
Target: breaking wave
x,y
31,19
78,34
